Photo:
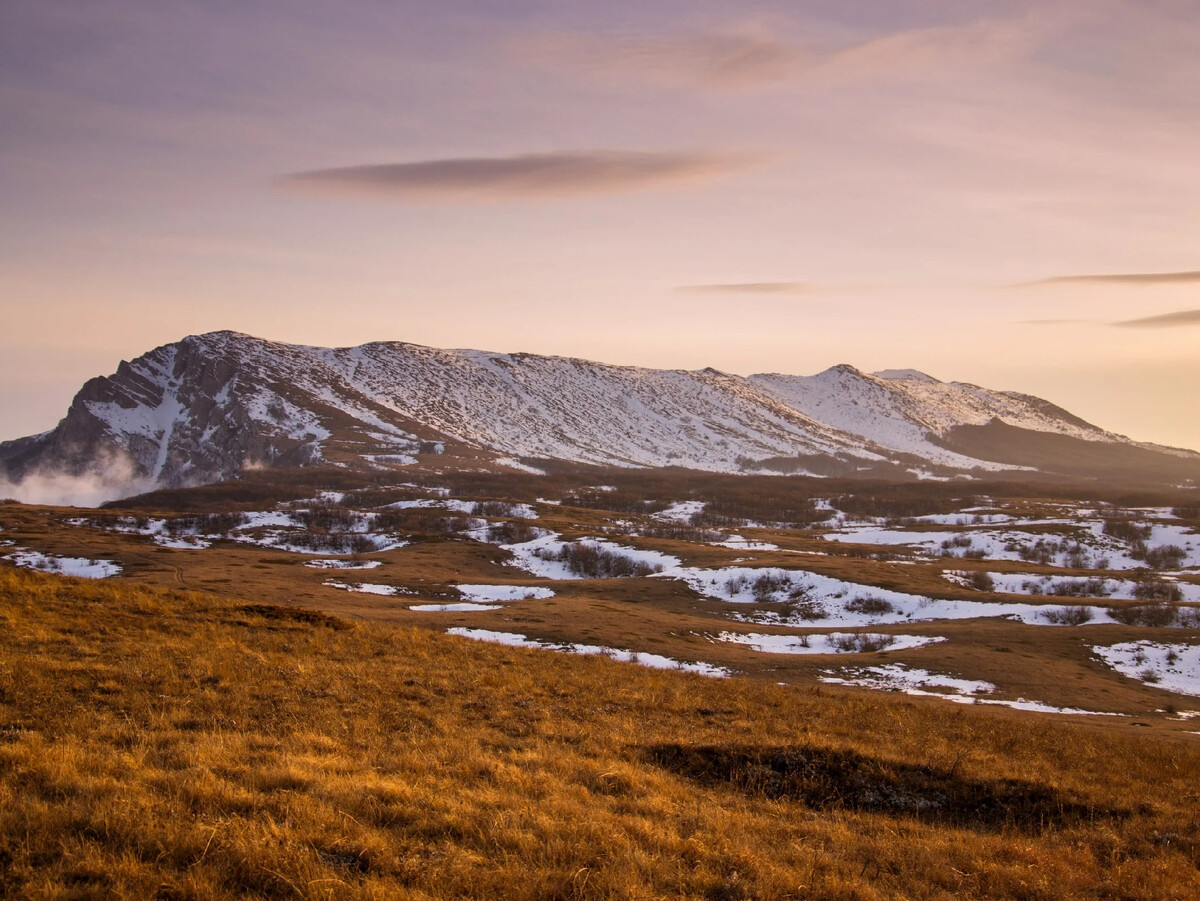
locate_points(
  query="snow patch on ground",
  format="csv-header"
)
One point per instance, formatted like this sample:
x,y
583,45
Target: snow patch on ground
x,y
922,683
343,564
1082,543
1120,589
519,466
657,661
830,643
80,567
268,519
369,588
435,503
738,543
1171,667
182,542
453,608
680,511
532,556
285,541
504,592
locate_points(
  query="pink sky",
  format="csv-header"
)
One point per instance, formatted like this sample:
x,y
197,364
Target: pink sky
x,y
751,186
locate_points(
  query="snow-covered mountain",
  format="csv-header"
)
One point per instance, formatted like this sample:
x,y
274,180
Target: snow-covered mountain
x,y
910,412
211,405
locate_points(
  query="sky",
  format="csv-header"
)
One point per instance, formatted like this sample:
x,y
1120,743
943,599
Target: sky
x,y
1002,192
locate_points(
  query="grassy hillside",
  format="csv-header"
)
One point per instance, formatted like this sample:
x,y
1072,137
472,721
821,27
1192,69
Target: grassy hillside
x,y
178,745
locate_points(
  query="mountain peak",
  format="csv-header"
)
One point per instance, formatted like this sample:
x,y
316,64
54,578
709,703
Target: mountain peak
x,y
841,369
903,374
209,406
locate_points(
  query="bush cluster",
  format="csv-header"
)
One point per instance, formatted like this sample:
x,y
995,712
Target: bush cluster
x,y
205,524
870,605
598,562
1068,616
861,642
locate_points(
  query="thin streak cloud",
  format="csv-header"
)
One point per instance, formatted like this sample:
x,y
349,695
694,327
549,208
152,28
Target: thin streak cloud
x,y
1057,321
750,288
1165,320
523,177
752,57
1127,278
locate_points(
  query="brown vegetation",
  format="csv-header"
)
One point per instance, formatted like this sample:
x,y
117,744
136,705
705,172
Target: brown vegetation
x,y
157,743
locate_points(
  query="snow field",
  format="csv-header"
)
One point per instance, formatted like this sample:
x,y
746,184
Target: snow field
x,y
738,543
1118,589
368,588
80,567
922,683
656,661
1087,547
538,556
1171,667
680,511
343,564
504,593
830,643
463,607
823,601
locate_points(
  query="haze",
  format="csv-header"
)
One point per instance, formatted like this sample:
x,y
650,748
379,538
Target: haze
x,y
999,192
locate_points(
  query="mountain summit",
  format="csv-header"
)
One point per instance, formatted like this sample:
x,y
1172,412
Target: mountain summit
x,y
207,407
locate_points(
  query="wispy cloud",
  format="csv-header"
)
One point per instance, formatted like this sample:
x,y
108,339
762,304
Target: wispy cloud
x,y
751,56
527,176
1057,321
1165,320
721,60
1125,278
750,288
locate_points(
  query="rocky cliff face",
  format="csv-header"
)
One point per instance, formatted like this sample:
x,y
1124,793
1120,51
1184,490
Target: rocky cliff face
x,y
209,406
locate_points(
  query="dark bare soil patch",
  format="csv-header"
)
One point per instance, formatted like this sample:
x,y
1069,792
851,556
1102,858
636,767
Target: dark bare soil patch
x,y
826,779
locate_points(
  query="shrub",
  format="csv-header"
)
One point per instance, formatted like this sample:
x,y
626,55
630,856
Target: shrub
x,y
1042,552
515,532
912,501
1126,530
205,524
1078,588
619,501
767,584
680,532
977,579
1188,617
1155,616
494,508
598,562
807,610
736,584
417,519
1152,589
332,542
1068,616
328,518
861,642
871,606
958,541
1166,556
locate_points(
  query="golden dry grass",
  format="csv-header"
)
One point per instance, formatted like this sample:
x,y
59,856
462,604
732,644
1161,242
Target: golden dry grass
x,y
157,743
1054,666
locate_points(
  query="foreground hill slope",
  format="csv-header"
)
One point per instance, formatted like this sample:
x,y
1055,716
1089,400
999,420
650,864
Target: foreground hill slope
x,y
209,406
165,744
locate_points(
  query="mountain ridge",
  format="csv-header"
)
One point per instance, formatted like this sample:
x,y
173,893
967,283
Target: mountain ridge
x,y
206,407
